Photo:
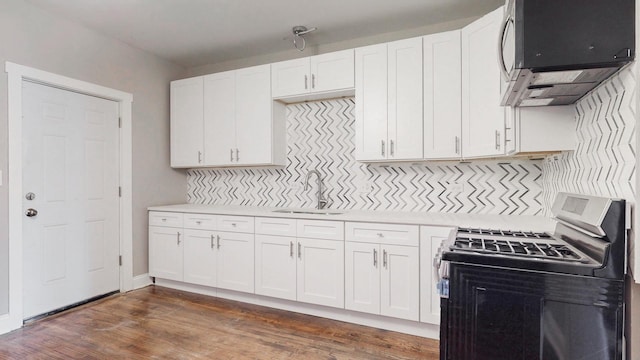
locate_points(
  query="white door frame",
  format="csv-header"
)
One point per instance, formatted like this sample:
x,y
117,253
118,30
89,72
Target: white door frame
x,y
16,74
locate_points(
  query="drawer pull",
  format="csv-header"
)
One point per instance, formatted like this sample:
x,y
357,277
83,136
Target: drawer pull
x,y
198,222
233,224
299,250
218,238
212,241
164,219
375,258
380,235
384,258
291,248
178,238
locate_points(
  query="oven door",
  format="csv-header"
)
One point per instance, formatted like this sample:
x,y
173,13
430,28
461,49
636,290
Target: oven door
x,y
505,314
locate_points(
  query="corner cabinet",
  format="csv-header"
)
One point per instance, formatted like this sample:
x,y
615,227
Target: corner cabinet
x,y
389,101
215,119
483,119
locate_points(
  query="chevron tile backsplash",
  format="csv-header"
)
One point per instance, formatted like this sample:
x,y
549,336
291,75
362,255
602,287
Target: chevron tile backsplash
x,y
320,135
604,162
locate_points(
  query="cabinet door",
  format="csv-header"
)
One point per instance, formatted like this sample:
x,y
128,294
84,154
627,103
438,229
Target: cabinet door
x,y
371,103
254,131
290,77
187,122
276,266
362,277
405,99
166,252
332,71
431,237
442,96
235,261
219,118
400,284
200,257
482,116
321,272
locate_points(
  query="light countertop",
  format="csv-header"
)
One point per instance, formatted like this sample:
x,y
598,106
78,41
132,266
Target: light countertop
x,y
503,222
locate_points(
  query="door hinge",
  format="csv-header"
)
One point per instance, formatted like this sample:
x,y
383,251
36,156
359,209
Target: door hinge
x,y
120,260
120,123
119,191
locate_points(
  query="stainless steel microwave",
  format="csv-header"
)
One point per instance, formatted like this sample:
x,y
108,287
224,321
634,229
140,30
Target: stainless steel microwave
x,y
553,52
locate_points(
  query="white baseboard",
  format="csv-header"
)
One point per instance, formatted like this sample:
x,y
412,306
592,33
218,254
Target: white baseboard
x,y
381,322
141,281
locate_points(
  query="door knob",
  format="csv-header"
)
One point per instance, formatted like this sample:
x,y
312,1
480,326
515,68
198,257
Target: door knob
x,y
31,212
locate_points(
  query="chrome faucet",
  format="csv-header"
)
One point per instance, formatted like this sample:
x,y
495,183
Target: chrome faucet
x,y
322,202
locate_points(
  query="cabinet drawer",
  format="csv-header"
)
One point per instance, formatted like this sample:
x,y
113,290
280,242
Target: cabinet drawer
x,y
276,226
167,219
319,229
200,221
235,223
391,234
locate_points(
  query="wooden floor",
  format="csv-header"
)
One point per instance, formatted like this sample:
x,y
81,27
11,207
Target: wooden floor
x,y
157,323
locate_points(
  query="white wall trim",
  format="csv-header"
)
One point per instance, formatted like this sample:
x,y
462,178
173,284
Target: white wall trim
x,y
16,74
141,281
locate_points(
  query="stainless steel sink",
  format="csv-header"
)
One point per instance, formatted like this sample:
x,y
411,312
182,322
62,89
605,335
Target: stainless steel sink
x,y
311,212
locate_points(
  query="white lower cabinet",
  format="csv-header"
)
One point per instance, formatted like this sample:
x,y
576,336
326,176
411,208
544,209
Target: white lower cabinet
x,y
383,277
276,266
201,254
321,272
294,266
195,252
166,252
431,237
235,261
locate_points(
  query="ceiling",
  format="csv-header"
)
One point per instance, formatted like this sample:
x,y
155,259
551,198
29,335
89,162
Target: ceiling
x,y
198,32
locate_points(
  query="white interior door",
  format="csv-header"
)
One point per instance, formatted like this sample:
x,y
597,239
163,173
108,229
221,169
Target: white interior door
x,y
70,166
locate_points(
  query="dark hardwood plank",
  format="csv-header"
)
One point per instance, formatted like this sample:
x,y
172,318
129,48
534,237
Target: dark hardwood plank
x,y
162,323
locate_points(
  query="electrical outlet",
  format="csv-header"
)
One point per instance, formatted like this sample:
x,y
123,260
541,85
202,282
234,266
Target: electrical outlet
x,y
455,188
365,188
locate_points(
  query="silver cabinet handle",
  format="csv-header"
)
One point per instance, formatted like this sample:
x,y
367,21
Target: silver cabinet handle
x,y
313,81
199,157
231,155
497,139
305,82
291,248
237,155
391,147
218,239
457,145
299,250
384,258
198,222
212,241
178,238
382,147
375,258
380,235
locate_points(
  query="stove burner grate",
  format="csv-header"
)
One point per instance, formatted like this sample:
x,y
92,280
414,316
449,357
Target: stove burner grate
x,y
515,234
517,248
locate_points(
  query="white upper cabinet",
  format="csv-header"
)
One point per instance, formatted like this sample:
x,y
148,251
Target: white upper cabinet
x,y
220,123
389,101
242,125
371,102
483,119
405,99
324,73
442,96
186,122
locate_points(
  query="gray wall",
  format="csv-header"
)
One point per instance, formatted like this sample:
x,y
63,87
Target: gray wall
x,y
35,38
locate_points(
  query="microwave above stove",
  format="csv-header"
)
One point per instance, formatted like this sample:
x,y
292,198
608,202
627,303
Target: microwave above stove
x,y
554,52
